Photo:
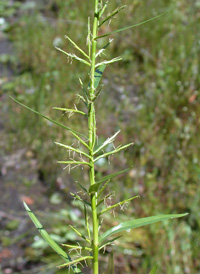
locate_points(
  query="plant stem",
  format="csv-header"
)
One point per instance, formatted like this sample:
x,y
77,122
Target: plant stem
x,y
92,138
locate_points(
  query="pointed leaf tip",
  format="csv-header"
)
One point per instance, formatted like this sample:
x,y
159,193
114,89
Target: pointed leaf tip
x,y
153,271
26,207
138,223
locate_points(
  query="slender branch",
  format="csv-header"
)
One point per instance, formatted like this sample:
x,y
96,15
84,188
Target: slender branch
x,y
103,9
75,261
109,61
71,110
118,204
78,247
73,149
73,56
80,199
117,10
112,152
74,163
102,200
80,234
102,189
108,141
77,47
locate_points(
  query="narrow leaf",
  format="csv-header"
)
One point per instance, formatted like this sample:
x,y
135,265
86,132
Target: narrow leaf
x,y
73,149
138,223
70,110
75,261
47,118
103,9
95,187
80,199
116,59
73,56
49,240
118,149
109,242
102,189
118,204
104,48
78,247
80,234
110,176
77,47
74,163
102,200
83,188
153,271
117,10
98,75
108,141
132,26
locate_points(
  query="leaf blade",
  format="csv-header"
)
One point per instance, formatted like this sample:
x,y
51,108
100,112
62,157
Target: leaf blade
x,y
132,26
95,187
98,75
153,271
47,118
138,223
49,240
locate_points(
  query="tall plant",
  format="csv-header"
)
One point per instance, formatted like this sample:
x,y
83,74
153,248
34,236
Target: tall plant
x,y
88,153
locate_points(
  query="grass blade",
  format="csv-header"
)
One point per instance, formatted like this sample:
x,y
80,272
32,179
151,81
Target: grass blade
x,y
109,242
77,47
118,149
70,110
103,9
108,141
47,118
95,187
138,223
73,56
118,204
116,59
49,240
104,48
117,10
153,271
132,26
75,261
110,176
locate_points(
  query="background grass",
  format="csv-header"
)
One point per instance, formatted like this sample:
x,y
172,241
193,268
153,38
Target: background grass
x,y
152,96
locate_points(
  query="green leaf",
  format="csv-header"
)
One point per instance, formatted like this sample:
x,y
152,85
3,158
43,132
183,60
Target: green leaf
x,y
49,240
110,264
109,16
95,187
73,56
104,48
98,75
109,242
138,223
47,118
153,271
132,26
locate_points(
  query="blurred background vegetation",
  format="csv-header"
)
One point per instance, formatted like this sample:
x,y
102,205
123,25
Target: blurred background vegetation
x,y
152,96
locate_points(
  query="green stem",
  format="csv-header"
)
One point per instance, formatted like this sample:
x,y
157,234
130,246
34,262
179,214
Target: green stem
x,y
92,137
